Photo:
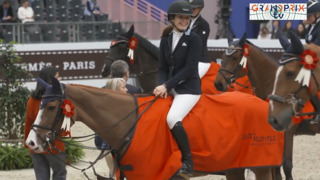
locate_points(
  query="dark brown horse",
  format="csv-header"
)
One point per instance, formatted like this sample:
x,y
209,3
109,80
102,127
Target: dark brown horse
x,y
112,115
144,63
296,82
260,69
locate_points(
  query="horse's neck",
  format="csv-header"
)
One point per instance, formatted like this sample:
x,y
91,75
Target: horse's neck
x,y
261,72
103,111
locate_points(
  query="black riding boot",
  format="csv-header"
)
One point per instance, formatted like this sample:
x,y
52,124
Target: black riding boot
x,y
183,142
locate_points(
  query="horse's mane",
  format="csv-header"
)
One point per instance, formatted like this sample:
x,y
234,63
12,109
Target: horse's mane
x,y
108,91
263,52
147,45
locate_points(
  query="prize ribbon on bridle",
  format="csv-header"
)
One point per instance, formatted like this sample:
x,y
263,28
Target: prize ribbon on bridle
x,y
133,43
246,54
308,61
68,111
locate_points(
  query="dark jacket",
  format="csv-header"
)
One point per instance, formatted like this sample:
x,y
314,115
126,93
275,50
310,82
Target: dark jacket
x,y
133,89
179,69
10,13
314,36
202,28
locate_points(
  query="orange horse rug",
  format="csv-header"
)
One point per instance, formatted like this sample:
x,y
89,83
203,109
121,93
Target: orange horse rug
x,y
226,131
208,87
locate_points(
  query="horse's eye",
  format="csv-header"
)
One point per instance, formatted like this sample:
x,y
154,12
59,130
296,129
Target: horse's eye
x,y
50,108
290,74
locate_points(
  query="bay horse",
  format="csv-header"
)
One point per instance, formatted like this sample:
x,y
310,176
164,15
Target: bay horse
x,y
117,118
145,64
260,69
296,83
145,58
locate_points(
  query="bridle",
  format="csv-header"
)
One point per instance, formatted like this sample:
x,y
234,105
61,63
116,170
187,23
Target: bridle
x,y
126,58
293,99
232,78
53,133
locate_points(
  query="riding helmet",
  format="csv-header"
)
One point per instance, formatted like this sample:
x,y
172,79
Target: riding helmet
x,y
313,6
196,3
179,7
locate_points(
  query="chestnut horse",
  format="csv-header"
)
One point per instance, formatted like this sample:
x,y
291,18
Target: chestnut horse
x,y
260,69
296,82
113,116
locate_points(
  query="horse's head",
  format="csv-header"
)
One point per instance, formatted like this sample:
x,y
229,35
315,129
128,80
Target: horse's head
x,y
232,67
294,84
120,48
48,123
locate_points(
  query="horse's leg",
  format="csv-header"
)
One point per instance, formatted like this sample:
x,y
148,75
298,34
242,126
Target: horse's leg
x,y
264,173
288,152
235,174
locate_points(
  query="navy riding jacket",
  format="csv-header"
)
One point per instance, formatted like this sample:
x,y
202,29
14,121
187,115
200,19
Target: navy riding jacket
x,y
314,36
179,69
202,28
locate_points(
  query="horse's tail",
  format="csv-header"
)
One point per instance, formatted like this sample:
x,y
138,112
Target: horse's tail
x,y
166,31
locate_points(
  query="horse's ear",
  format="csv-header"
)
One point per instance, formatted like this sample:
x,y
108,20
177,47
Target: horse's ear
x,y
56,88
230,37
130,32
243,39
284,42
43,83
296,44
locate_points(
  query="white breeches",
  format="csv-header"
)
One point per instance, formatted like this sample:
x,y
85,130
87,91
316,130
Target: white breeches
x,y
203,68
181,106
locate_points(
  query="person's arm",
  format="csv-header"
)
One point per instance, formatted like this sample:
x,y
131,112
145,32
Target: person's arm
x,y
21,14
89,7
191,66
163,65
204,31
29,120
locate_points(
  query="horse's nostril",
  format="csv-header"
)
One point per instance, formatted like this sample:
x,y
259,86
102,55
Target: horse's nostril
x,y
31,143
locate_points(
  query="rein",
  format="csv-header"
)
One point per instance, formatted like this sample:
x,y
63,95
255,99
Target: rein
x,y
121,144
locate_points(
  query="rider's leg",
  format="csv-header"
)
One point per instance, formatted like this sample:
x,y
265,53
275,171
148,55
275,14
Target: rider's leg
x,y
203,68
181,106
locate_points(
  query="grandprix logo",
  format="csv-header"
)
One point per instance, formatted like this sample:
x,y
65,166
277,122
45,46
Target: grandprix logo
x,y
280,11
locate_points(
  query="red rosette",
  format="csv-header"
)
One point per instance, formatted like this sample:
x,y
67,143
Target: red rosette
x,y
309,59
131,61
68,108
133,43
246,50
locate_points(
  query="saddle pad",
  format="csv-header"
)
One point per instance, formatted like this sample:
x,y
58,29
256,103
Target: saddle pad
x,y
208,87
226,131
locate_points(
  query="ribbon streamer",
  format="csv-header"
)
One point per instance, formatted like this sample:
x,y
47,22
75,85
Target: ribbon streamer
x,y
304,76
66,125
130,55
243,61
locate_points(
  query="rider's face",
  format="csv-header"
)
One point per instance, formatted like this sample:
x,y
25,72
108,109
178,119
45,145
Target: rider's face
x,y
196,11
311,19
181,22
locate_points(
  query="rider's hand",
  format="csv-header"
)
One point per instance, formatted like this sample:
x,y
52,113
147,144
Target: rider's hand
x,y
160,91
